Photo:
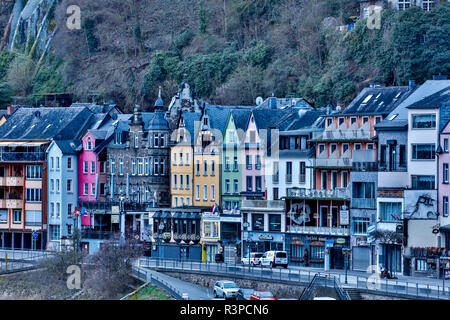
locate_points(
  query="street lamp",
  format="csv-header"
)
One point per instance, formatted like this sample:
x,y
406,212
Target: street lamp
x,y
346,252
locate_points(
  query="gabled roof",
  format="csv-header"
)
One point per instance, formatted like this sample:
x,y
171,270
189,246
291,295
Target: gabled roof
x,y
44,123
305,120
265,118
433,101
377,100
240,118
68,146
399,115
218,115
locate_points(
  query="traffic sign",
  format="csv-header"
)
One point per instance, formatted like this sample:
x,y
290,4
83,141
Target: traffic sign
x,y
35,235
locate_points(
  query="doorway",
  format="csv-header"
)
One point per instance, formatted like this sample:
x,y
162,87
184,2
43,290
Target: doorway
x,y
324,216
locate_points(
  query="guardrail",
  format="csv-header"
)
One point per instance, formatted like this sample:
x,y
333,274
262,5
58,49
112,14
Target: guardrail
x,y
371,283
148,277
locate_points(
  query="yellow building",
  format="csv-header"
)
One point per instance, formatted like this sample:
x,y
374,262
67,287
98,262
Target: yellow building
x,y
182,161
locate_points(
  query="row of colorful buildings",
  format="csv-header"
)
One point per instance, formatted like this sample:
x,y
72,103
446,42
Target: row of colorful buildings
x,y
193,180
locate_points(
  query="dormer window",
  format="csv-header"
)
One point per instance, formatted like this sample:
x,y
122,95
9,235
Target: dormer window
x,y
88,145
329,122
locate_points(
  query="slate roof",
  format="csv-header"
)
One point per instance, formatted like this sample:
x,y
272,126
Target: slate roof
x,y
4,113
240,118
265,118
401,120
189,121
218,115
95,108
433,101
44,123
68,146
158,122
284,103
377,100
308,119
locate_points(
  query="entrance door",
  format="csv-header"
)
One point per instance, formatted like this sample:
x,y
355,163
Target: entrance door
x,y
85,247
324,216
336,258
361,258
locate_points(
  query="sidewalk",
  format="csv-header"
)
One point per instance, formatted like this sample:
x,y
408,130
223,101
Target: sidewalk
x,y
194,291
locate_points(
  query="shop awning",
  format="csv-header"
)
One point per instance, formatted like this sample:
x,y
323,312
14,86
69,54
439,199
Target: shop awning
x,y
185,215
195,215
177,215
316,243
166,215
157,215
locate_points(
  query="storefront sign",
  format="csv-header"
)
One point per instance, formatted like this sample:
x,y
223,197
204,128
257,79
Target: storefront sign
x,y
344,217
265,237
315,238
166,234
115,218
115,209
340,240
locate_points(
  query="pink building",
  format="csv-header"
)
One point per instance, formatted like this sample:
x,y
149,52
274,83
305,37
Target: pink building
x,y
91,168
253,185
444,185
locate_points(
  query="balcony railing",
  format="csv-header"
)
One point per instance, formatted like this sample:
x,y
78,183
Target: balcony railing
x,y
336,135
365,166
25,156
270,204
319,230
332,162
337,193
358,203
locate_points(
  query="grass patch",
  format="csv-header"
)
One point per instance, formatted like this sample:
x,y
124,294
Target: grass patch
x,y
151,293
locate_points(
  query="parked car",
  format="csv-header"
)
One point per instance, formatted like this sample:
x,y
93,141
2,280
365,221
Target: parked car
x,y
244,294
252,258
274,258
262,295
225,289
218,257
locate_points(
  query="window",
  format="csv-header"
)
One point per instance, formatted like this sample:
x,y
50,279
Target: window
x,y
333,147
258,184
445,173
422,182
93,189
52,185
341,121
276,194
136,140
88,145
52,162
249,183
69,229
424,121
34,172
187,182
102,189
156,167
141,166
352,121
85,167
33,218
3,215
54,232
213,170
370,146
445,144
364,190
113,166
121,166
213,192
404,4
329,122
181,201
383,155
235,186
248,162
174,181
205,192
102,167
133,167
258,222
34,195
205,167
258,162
69,209
377,119
52,209
445,206
181,159
423,151
57,163
85,189
289,171
365,120
334,179
274,222
174,159
359,225
324,180
402,156
147,166
317,252
344,175
69,185
344,147
321,148
227,186
427,5
302,177
58,209
357,146
17,214
188,201
390,211
175,201
57,185
69,163
197,167
197,192
235,164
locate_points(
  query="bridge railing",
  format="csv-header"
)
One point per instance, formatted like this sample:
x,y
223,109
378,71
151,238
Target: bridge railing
x,y
371,283
149,277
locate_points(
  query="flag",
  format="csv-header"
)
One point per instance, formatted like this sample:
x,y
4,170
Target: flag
x,y
396,216
225,206
214,209
75,212
235,207
83,212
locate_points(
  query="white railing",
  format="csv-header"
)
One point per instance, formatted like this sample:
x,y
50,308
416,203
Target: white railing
x,y
332,162
340,193
342,135
319,230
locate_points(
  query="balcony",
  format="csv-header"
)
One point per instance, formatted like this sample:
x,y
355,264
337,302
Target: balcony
x,y
357,203
300,193
341,135
332,163
263,204
364,160
14,203
332,231
25,156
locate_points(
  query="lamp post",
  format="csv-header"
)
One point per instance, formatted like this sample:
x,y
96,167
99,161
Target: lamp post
x,y
346,252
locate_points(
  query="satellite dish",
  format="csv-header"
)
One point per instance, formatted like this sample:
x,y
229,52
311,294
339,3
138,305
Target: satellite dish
x,y
259,100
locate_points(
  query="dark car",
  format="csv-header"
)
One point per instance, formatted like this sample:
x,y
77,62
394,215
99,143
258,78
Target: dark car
x,y
218,258
244,294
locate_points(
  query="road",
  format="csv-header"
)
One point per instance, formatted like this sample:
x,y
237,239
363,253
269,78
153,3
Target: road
x,y
406,286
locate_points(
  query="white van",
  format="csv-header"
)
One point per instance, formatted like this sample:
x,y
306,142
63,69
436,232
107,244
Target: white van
x,y
274,258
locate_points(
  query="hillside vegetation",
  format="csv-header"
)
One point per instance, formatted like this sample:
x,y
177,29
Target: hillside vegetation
x,y
230,51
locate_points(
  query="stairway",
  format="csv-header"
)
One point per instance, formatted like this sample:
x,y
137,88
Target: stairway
x,y
353,293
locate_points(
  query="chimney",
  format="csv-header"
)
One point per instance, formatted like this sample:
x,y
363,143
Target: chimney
x,y
273,103
412,84
10,109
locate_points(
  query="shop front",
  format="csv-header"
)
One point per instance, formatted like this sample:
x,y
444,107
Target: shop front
x,y
311,250
361,253
424,262
254,241
210,236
